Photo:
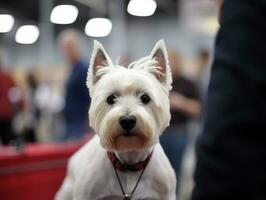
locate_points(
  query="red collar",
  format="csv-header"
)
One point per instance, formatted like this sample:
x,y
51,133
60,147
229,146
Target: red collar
x,y
127,167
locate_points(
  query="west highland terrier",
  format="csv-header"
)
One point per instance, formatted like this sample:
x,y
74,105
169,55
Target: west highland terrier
x,y
129,111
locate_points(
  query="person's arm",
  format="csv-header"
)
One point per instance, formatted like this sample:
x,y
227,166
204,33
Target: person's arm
x,y
231,151
181,103
218,6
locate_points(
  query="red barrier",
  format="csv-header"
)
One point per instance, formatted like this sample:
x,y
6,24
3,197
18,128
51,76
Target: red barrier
x,y
35,173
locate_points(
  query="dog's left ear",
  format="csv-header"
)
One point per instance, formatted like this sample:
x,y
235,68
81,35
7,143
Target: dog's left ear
x,y
99,59
163,71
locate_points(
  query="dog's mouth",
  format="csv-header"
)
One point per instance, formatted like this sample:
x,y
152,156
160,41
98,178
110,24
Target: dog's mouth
x,y
129,134
130,142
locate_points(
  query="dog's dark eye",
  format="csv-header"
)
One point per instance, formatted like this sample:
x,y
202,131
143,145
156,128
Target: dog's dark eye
x,y
111,99
145,99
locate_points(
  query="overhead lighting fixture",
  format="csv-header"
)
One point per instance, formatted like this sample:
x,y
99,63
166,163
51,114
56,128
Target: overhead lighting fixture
x,y
27,34
142,8
6,23
98,27
64,14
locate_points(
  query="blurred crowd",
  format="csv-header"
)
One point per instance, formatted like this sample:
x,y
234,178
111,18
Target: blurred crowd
x,y
35,110
39,110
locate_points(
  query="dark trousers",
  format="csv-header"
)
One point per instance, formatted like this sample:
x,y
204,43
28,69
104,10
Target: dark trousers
x,y
174,141
29,135
6,133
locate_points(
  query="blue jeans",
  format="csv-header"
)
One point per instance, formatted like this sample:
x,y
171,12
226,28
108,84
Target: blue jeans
x,y
174,141
75,130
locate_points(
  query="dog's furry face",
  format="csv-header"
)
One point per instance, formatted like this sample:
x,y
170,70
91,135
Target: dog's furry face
x,y
130,106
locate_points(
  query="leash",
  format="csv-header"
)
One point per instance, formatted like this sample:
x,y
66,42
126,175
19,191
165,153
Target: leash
x,y
129,196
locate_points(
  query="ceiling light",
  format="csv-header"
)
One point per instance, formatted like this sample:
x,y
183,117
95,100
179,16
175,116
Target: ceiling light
x,y
142,8
27,34
6,23
98,27
64,14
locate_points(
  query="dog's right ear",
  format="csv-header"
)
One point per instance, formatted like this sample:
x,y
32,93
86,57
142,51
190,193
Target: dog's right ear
x,y
99,59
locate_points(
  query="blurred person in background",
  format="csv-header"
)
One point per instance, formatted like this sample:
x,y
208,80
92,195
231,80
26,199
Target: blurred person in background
x,y
49,104
231,148
218,5
32,112
184,105
204,71
124,60
77,98
6,106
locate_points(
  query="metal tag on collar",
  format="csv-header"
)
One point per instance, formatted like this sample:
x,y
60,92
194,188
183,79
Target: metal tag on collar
x,y
127,197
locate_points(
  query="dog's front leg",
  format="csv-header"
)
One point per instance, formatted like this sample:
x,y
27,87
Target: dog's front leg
x,y
171,197
66,190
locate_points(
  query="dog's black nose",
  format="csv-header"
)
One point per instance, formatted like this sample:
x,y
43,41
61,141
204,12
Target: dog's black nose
x,y
127,122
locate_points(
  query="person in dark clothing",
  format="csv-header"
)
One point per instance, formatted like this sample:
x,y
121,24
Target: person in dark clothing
x,y
31,109
184,105
182,109
77,98
231,150
6,108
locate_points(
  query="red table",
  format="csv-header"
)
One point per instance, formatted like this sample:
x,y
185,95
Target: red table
x,y
35,173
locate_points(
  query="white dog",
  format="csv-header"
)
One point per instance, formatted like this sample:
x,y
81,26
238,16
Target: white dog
x,y
129,111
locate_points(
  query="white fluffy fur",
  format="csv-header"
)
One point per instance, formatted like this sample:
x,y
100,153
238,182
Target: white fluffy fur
x,y
90,173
